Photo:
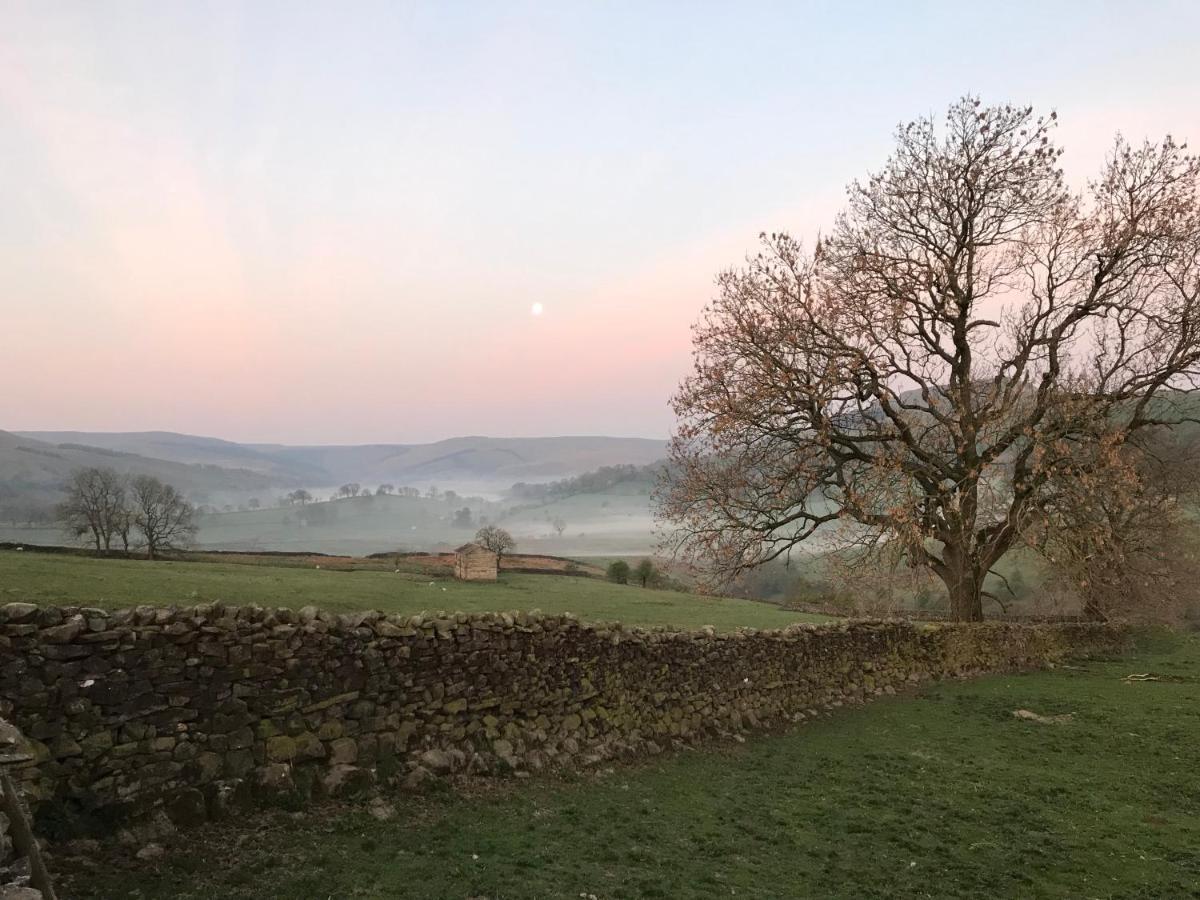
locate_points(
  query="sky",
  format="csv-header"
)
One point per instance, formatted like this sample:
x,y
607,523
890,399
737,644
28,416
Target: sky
x,y
399,222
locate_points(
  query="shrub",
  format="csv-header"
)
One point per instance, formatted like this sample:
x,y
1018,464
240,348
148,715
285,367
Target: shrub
x,y
646,573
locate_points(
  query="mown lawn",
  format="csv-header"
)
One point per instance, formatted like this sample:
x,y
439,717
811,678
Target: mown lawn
x,y
111,583
939,794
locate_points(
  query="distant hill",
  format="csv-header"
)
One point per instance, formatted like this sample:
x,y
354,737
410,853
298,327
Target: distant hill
x,y
187,448
35,465
469,463
462,464
32,471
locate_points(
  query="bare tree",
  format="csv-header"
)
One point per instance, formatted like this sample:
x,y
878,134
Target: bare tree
x,y
384,489
95,506
496,539
164,517
123,524
300,496
559,524
970,334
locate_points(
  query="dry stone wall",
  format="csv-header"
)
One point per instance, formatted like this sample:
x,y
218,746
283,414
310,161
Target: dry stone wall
x,y
187,712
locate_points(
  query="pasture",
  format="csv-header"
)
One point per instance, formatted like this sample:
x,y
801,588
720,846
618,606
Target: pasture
x,y
112,583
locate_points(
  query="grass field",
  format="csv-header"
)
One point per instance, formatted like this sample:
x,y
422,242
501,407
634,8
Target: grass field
x,y
112,583
941,794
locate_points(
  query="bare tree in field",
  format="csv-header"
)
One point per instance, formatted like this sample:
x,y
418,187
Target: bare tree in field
x,y
970,337
165,519
496,539
559,524
95,506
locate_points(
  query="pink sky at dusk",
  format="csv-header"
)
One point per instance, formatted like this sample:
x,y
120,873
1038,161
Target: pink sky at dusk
x,y
330,225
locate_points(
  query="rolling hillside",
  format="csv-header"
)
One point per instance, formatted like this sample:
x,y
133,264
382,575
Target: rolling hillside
x,y
469,463
530,486
464,464
480,471
613,521
186,448
32,471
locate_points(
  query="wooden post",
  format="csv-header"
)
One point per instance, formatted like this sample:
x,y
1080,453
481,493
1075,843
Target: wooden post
x,y
22,837
12,751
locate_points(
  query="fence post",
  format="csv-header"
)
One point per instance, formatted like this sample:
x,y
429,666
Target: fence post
x,y
12,806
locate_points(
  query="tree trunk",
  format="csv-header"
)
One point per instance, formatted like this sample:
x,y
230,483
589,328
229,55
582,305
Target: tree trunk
x,y
966,600
964,586
963,575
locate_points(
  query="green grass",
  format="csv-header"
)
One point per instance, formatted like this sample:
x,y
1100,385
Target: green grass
x,y
942,794
111,583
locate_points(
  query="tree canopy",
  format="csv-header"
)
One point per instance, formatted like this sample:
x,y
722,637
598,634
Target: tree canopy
x,y
970,343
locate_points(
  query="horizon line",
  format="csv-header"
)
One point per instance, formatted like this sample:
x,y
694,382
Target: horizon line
x,y
260,443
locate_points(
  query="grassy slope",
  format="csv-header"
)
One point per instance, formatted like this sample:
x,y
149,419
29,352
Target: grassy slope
x,y
110,583
941,795
617,521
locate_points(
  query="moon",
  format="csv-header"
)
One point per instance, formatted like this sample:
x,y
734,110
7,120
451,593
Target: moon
x,y
536,309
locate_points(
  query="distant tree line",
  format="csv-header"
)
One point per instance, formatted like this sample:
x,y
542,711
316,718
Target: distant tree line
x,y
316,510
644,573
352,489
602,479
105,507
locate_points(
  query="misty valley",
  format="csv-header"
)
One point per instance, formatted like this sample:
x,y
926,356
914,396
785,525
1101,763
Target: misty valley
x,y
855,552
562,496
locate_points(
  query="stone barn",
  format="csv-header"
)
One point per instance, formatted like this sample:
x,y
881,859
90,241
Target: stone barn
x,y
475,563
